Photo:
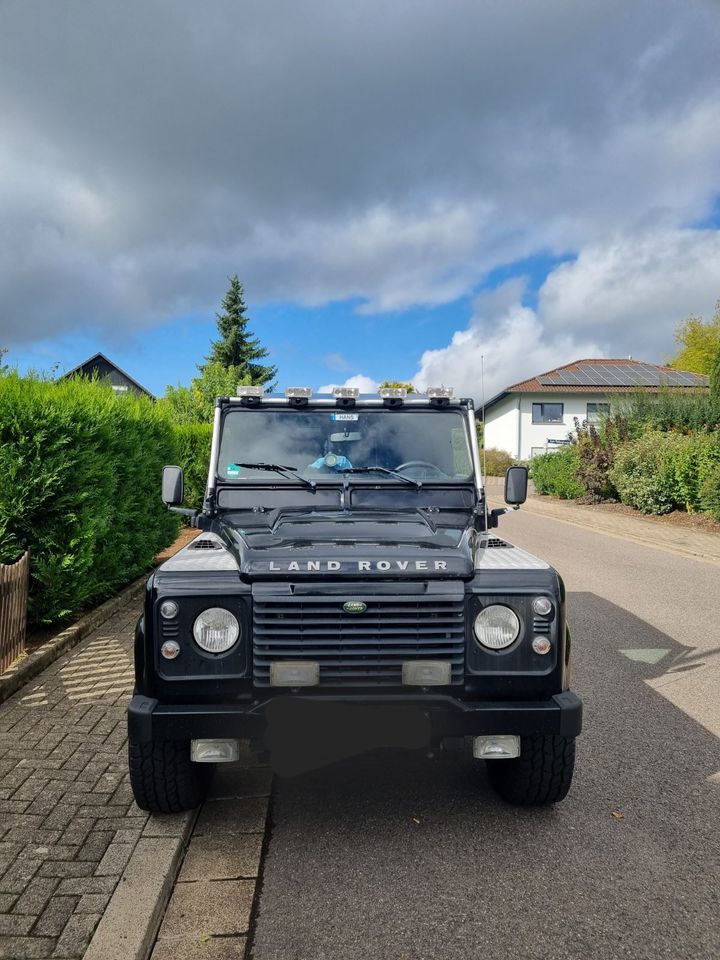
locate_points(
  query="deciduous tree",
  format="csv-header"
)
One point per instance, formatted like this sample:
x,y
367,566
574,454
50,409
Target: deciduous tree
x,y
699,343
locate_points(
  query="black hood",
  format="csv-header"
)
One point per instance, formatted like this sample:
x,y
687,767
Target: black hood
x,y
403,544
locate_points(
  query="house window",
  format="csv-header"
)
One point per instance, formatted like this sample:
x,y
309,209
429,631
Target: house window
x,y
548,413
596,411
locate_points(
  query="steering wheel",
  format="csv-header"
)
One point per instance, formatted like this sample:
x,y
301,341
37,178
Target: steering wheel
x,y
423,465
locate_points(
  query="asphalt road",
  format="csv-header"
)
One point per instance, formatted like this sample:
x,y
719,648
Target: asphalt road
x,y
405,856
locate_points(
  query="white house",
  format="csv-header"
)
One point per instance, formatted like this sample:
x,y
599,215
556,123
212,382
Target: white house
x,y
537,415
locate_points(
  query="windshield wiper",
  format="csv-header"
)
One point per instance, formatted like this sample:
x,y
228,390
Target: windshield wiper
x,y
390,473
278,468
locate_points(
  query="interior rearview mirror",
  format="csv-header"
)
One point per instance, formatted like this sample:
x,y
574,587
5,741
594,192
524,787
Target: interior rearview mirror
x,y
516,485
173,486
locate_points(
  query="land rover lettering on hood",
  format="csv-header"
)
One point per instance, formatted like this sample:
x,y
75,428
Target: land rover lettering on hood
x,y
347,583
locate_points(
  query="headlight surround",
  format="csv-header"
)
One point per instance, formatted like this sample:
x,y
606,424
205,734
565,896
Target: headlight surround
x,y
216,630
496,627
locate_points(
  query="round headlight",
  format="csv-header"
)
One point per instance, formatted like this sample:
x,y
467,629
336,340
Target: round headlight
x,y
542,606
216,630
496,627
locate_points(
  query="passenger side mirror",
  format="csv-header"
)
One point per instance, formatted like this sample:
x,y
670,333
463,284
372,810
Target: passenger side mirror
x,y
173,486
516,485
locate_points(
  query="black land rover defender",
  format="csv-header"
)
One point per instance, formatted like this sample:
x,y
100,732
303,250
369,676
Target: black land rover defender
x,y
346,592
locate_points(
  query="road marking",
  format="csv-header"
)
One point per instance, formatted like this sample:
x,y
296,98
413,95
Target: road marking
x,y
646,654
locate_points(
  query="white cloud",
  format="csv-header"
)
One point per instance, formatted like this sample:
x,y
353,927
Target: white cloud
x,y
505,337
365,384
632,291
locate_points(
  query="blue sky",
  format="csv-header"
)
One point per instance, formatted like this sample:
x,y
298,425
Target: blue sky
x,y
313,345
523,184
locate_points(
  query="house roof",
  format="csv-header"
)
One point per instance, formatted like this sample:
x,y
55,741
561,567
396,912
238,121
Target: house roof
x,y
101,356
605,376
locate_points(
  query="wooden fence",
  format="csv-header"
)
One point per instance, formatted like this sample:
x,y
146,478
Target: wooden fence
x,y
14,580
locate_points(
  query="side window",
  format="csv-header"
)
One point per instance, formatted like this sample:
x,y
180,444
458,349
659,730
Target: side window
x,y
548,412
596,412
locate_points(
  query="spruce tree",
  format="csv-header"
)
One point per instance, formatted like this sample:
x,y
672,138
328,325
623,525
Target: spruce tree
x,y
237,349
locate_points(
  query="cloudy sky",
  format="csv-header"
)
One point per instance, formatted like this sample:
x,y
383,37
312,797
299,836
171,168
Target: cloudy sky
x,y
402,187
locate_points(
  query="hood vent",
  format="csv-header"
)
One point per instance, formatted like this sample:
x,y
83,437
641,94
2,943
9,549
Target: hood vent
x,y
203,544
497,542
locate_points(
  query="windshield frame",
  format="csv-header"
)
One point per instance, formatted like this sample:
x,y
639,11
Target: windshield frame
x,y
235,407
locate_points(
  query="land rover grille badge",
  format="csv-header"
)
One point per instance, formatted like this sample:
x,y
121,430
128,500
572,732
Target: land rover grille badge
x,y
354,606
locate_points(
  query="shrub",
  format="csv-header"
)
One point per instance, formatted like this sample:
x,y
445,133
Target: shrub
x,y
80,485
193,441
645,472
556,473
497,462
709,493
596,448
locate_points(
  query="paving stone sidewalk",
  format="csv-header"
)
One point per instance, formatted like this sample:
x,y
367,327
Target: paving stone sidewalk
x,y
68,824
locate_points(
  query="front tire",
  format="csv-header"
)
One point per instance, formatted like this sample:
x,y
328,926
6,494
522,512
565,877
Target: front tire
x,y
542,773
164,779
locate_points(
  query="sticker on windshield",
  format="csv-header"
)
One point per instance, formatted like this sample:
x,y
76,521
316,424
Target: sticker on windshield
x,y
344,416
233,470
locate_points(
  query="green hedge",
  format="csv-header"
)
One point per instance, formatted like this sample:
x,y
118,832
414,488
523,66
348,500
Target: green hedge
x,y
556,473
660,472
80,486
194,441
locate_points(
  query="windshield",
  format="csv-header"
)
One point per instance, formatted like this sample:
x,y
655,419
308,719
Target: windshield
x,y
322,445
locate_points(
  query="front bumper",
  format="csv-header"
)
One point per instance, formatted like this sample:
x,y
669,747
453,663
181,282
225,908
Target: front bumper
x,y
430,717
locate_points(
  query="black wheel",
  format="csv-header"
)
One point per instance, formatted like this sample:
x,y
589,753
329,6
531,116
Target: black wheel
x,y
163,777
541,774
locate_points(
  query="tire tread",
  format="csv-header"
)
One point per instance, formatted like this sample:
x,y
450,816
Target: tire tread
x,y
542,774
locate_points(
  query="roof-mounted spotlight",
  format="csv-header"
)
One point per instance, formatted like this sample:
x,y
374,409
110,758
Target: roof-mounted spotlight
x,y
298,396
393,393
250,396
439,396
346,396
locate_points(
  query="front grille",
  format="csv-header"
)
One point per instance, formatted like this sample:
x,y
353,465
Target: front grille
x,y
357,650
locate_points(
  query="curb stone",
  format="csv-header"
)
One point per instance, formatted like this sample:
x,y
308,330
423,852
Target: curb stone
x,y
131,921
28,668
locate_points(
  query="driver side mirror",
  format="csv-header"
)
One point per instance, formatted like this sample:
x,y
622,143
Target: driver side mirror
x,y
516,485
173,486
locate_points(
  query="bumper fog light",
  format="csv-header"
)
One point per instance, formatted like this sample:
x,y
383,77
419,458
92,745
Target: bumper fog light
x,y
170,649
502,747
426,673
295,673
541,645
214,751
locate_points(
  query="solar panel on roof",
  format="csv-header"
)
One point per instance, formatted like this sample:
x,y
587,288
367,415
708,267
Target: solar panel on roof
x,y
620,375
